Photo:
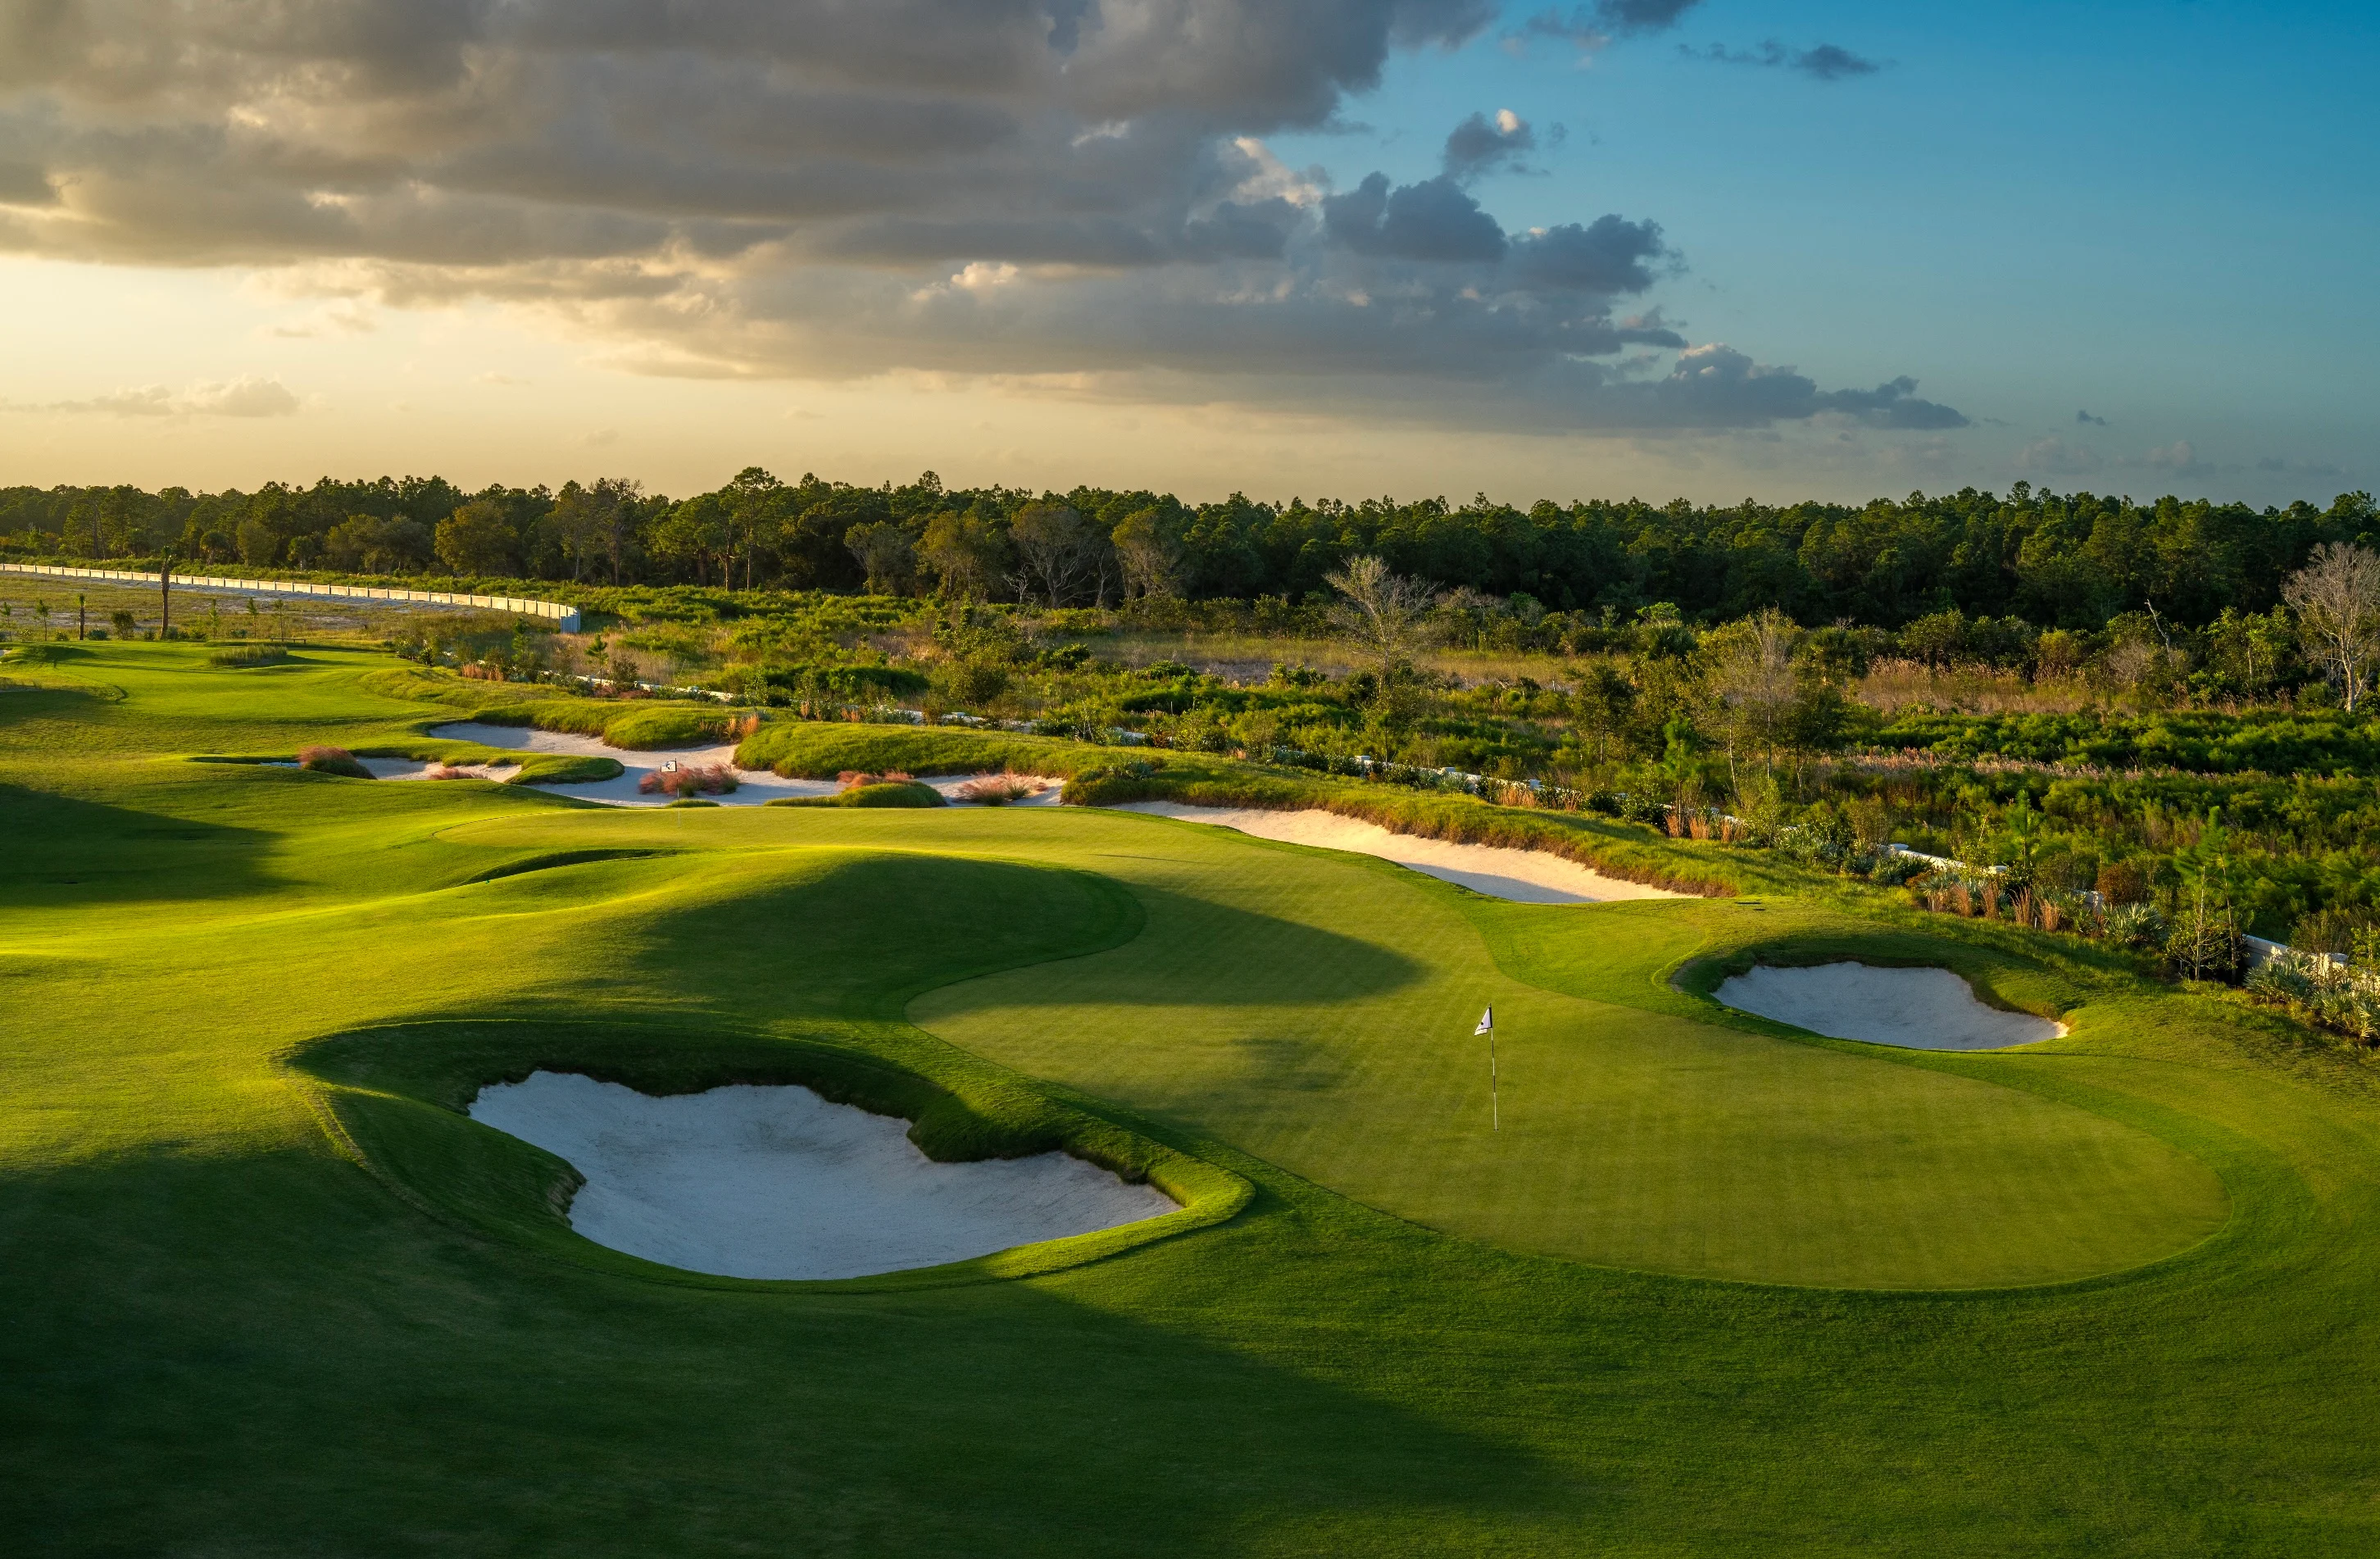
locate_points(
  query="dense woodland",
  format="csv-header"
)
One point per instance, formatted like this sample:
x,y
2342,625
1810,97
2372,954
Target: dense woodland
x,y
2052,561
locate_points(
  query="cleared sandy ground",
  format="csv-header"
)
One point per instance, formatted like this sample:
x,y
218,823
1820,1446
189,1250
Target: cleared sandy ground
x,y
1914,1009
778,1183
757,786
1527,876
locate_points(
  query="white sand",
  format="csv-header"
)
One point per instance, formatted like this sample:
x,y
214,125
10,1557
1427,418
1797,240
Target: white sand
x,y
757,786
1914,1009
414,768
1527,876
778,1183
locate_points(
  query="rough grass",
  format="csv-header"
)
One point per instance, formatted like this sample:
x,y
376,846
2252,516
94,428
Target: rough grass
x,y
217,1318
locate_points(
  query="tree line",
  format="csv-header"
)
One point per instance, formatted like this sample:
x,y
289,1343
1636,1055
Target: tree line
x,y
2071,561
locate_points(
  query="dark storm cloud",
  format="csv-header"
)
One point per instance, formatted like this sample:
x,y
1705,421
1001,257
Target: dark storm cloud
x,y
820,188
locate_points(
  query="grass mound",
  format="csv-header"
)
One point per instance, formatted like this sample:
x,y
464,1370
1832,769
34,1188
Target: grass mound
x,y
564,767
820,749
891,793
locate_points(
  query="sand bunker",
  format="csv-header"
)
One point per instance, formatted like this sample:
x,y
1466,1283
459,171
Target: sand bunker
x,y
1527,876
414,768
778,1183
757,786
1914,1009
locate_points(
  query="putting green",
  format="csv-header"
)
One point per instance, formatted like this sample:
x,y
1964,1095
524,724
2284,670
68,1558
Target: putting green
x,y
1318,1012
217,1318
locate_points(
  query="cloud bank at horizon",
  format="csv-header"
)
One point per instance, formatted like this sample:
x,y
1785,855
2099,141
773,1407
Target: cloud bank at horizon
x,y
1072,191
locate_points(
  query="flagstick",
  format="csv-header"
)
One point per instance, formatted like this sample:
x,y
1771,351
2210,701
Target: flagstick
x,y
1495,1104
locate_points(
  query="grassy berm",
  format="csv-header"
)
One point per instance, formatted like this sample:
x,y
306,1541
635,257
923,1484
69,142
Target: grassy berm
x,y
1715,1289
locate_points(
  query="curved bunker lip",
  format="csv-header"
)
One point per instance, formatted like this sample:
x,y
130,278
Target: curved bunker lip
x,y
1910,1008
1497,870
776,1182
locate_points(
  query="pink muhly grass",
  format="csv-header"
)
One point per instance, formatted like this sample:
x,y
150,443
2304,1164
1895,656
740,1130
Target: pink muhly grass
x,y
689,779
993,790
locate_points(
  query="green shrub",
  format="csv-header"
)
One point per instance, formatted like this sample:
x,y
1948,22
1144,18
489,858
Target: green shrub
x,y
689,801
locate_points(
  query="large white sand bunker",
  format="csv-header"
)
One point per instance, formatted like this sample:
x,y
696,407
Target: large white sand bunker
x,y
779,1183
1914,1009
1527,876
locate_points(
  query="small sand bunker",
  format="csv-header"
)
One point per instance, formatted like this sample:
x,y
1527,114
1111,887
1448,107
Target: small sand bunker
x,y
779,1183
1527,876
1914,1009
754,787
414,768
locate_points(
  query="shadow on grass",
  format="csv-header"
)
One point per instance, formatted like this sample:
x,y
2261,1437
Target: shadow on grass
x,y
262,1354
62,851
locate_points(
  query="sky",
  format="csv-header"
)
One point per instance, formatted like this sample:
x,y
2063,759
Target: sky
x,y
1709,249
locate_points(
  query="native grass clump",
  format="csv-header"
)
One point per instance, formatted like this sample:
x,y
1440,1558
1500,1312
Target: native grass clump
x,y
999,789
682,781
326,760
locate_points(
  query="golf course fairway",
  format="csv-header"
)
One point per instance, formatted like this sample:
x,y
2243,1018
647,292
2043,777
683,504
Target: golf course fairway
x,y
1712,1287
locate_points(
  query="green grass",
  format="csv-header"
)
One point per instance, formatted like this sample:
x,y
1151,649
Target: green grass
x,y
227,984
909,793
564,767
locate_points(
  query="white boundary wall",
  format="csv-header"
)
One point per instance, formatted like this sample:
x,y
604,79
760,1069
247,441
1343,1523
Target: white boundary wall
x,y
565,618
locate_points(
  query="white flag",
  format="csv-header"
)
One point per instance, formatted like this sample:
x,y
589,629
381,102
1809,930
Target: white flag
x,y
1487,1021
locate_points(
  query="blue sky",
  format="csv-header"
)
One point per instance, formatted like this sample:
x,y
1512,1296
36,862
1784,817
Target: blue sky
x,y
2163,215
538,244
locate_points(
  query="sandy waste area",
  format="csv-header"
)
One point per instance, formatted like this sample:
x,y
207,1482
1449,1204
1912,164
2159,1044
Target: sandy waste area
x,y
756,786
779,1183
1914,1009
1526,876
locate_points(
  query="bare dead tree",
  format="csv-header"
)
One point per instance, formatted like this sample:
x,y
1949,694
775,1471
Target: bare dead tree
x,y
2337,598
1383,611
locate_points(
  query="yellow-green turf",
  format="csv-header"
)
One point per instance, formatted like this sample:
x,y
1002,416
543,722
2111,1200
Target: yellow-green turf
x,y
1713,1289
